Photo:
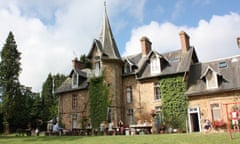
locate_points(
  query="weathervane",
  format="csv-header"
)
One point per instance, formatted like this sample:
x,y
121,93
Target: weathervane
x,y
238,42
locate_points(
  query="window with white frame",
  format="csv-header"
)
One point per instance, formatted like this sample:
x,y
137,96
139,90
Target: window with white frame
x,y
74,80
155,65
129,95
211,80
157,92
215,108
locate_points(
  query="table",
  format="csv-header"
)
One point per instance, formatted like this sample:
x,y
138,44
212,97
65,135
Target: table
x,y
146,129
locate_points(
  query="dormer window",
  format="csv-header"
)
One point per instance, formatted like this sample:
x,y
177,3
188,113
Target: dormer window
x,y
127,68
211,79
75,80
155,65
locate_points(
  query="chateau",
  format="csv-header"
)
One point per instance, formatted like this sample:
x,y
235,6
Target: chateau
x,y
134,82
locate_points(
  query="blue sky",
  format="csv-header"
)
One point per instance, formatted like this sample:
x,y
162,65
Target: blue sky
x,y
50,33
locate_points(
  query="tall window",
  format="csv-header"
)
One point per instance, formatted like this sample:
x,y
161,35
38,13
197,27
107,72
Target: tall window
x,y
211,80
97,68
155,65
157,92
129,94
215,108
74,101
158,110
130,116
74,80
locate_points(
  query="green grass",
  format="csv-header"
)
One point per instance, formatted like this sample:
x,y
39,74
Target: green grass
x,y
197,138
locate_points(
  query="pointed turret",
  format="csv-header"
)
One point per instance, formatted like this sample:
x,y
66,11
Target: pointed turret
x,y
106,38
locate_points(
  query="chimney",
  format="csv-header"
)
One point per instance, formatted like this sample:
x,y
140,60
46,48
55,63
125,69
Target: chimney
x,y
146,45
238,42
184,38
77,64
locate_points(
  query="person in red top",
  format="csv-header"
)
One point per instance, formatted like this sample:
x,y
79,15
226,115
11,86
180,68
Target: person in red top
x,y
234,117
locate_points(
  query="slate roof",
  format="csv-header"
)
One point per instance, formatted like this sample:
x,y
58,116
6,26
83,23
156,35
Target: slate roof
x,y
66,86
106,41
173,62
227,69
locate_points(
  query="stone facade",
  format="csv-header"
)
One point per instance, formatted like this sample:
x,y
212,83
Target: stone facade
x,y
220,103
133,80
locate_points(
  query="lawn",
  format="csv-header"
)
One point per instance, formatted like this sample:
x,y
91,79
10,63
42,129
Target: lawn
x,y
196,138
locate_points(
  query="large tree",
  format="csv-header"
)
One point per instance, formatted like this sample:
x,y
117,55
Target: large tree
x,y
9,80
49,99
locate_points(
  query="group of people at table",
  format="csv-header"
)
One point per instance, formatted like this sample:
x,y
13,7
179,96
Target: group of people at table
x,y
109,128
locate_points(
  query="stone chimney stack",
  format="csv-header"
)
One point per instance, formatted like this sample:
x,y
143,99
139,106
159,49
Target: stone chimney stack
x,y
184,38
146,45
77,64
238,42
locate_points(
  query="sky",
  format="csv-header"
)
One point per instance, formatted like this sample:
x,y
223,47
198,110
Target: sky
x,y
51,33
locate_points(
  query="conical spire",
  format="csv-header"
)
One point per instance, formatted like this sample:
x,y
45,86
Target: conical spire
x,y
106,38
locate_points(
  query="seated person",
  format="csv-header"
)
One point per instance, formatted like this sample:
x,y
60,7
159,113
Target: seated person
x,y
57,130
207,125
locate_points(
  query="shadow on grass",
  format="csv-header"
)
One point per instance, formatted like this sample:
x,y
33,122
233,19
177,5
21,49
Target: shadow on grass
x,y
42,138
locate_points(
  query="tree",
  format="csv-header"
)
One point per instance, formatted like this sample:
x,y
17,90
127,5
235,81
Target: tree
x,y
49,99
9,74
85,61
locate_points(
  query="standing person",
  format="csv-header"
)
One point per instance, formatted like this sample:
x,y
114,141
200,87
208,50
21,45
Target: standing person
x,y
110,128
121,126
234,118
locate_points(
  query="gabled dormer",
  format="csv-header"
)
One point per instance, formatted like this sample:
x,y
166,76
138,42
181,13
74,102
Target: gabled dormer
x,y
157,63
75,79
129,66
211,78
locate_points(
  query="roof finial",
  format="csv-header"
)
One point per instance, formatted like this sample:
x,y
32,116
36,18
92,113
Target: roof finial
x,y
105,3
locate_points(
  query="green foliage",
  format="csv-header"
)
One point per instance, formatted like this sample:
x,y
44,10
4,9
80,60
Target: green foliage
x,y
49,99
174,103
12,99
189,138
87,63
98,97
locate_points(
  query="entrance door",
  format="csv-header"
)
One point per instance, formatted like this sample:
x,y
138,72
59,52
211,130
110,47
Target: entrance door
x,y
194,119
74,121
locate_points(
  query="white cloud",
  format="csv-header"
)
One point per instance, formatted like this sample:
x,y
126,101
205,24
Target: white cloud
x,y
50,35
212,39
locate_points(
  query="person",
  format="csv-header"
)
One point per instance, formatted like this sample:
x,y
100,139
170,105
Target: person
x,y
110,128
37,132
57,130
102,128
50,126
89,129
121,126
207,125
234,118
